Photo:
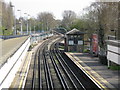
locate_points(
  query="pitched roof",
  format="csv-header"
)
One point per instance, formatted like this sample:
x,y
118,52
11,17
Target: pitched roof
x,y
74,31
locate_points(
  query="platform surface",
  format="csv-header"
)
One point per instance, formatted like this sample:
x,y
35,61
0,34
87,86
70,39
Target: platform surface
x,y
20,77
9,46
105,77
25,70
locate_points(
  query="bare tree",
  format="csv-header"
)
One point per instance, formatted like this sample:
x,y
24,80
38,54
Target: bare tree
x,y
0,17
46,20
68,18
118,33
105,16
7,17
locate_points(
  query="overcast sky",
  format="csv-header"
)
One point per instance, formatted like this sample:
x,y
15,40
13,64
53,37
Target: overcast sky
x,y
33,7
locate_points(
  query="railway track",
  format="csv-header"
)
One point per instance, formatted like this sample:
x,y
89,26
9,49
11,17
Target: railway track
x,y
75,73
70,78
53,70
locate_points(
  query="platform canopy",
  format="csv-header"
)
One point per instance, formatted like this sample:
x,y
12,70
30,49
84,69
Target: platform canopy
x,y
74,32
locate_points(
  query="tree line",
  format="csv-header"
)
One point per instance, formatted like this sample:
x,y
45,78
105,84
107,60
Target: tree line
x,y
45,20
99,17
6,18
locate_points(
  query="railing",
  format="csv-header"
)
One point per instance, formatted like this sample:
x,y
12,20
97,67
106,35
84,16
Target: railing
x,y
110,37
11,36
113,51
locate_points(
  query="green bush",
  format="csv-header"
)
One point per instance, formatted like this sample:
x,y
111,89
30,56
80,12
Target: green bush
x,y
8,32
115,67
86,51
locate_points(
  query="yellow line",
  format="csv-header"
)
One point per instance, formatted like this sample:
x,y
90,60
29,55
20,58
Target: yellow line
x,y
76,62
23,73
97,75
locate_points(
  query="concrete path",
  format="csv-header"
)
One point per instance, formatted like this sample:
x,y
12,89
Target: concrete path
x,y
8,47
20,78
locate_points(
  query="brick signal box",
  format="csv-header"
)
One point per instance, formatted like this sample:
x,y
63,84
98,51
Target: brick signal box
x,y
74,41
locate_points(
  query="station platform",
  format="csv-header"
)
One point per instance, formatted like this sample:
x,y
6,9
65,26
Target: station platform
x,y
22,72
25,70
8,47
104,77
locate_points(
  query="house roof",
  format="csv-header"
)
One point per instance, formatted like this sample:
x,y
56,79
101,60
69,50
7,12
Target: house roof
x,y
74,32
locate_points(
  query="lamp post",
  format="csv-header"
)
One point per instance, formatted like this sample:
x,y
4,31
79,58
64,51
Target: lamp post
x,y
20,18
27,22
14,19
34,29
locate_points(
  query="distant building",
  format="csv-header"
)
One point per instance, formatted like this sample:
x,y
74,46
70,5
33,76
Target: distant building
x,y
74,41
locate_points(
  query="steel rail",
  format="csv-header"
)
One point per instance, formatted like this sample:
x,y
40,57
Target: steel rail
x,y
73,83
61,69
42,58
39,71
58,56
37,58
39,55
58,72
34,70
47,70
82,86
93,85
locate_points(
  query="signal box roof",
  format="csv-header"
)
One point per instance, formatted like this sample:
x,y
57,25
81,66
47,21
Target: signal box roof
x,y
74,32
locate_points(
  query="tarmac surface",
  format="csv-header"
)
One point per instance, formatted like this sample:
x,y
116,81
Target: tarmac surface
x,y
106,78
8,47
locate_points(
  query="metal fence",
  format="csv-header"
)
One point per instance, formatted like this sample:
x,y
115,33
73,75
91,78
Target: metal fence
x,y
11,36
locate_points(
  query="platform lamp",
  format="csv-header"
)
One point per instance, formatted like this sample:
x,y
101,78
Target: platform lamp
x,y
14,19
27,22
20,18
